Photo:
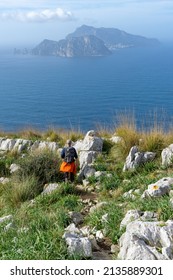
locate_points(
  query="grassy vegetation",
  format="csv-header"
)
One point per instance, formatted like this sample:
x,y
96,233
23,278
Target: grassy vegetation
x,y
39,221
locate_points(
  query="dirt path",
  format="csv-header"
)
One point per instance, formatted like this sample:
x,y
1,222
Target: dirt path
x,y
89,199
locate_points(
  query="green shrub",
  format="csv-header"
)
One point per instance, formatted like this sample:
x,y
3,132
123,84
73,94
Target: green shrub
x,y
44,165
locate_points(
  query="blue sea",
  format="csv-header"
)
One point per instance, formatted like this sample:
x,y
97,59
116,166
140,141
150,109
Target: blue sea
x,y
86,93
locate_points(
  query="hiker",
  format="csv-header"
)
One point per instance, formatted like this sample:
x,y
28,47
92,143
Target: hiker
x,y
69,166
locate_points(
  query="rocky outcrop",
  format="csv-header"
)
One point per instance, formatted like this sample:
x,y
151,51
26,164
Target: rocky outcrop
x,y
133,215
21,145
147,241
136,158
91,41
88,150
72,47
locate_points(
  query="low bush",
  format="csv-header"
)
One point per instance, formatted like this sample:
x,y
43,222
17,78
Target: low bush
x,y
44,165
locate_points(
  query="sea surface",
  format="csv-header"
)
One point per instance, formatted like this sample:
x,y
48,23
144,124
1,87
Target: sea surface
x,y
86,93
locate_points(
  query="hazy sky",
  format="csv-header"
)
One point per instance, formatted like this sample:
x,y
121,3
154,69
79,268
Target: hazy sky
x,y
25,22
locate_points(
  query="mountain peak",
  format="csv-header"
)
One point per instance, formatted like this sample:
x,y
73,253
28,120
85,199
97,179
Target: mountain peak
x,y
113,38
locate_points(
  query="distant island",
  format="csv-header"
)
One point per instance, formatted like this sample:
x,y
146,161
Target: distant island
x,y
90,41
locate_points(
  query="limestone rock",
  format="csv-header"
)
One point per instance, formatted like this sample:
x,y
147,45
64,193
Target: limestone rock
x,y
80,246
147,241
23,144
133,215
41,145
130,216
88,150
87,157
88,171
160,188
92,142
49,188
14,144
86,231
136,158
76,242
72,229
99,236
14,167
167,155
7,144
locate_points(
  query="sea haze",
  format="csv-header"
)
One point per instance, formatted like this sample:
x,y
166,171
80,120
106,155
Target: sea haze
x,y
79,93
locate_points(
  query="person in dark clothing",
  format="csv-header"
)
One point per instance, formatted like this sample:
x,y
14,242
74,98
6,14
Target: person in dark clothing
x,y
70,161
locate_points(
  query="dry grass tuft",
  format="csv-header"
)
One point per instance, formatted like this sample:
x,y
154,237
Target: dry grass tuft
x,y
153,140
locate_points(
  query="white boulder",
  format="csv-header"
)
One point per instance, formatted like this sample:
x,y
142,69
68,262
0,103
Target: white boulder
x,y
167,155
76,242
147,241
136,158
160,188
49,188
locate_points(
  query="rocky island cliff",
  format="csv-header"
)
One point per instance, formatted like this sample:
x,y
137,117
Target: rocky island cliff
x,y
88,45
88,41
